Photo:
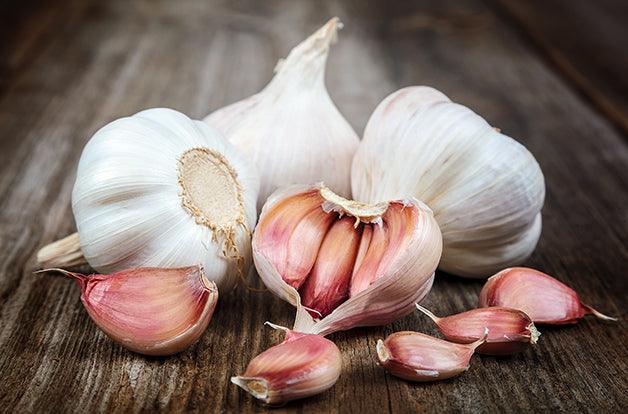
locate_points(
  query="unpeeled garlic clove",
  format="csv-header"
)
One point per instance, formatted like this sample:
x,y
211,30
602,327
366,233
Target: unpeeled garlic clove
x,y
510,330
291,129
151,311
486,189
301,366
374,263
544,299
418,357
327,286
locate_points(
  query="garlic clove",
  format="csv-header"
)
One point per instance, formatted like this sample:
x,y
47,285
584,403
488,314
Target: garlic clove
x,y
374,246
292,130
328,284
486,190
410,255
158,189
544,299
418,357
151,311
301,366
510,330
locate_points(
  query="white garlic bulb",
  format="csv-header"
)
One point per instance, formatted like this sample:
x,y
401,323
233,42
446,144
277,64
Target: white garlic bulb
x,y
158,189
486,190
291,129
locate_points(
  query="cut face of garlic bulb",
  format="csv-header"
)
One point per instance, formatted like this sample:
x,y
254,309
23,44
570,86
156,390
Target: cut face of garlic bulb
x,y
345,264
158,189
292,130
150,311
486,190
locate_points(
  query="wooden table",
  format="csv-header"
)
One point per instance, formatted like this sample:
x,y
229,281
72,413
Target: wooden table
x,y
552,74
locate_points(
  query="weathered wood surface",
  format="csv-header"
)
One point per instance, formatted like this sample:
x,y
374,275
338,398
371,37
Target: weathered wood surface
x,y
69,67
586,43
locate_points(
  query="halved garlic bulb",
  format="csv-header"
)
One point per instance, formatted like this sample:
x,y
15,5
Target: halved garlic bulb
x,y
158,189
345,264
292,130
486,190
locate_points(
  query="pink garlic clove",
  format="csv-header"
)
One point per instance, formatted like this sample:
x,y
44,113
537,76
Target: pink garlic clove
x,y
327,286
510,330
418,357
151,311
544,299
301,366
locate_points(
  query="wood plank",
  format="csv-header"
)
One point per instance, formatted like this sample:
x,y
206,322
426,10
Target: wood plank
x,y
110,59
585,42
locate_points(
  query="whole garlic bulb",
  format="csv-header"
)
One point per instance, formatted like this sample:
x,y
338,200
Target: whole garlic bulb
x,y
158,189
486,190
291,129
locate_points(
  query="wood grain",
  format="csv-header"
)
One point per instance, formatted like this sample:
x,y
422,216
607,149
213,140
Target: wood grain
x,y
585,42
73,66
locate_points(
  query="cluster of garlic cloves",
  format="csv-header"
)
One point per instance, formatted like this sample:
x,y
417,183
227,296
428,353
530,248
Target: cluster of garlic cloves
x,y
418,357
292,130
301,366
543,298
486,189
345,264
151,311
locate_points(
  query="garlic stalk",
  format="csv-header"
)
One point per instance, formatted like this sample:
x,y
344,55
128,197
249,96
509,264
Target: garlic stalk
x,y
292,130
344,264
158,189
150,311
486,190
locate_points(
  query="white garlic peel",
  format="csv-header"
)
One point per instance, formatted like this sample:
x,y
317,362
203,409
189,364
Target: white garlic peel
x,y
486,190
161,190
292,130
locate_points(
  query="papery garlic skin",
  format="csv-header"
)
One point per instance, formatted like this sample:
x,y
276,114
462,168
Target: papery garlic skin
x,y
158,189
301,366
510,330
150,311
486,190
542,297
418,357
404,277
292,130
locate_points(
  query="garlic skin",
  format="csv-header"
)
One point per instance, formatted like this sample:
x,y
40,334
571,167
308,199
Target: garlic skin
x,y
386,280
418,357
158,189
301,366
544,299
292,130
510,330
150,311
486,190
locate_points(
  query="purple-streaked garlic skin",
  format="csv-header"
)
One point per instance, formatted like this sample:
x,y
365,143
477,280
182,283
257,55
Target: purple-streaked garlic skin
x,y
418,357
510,330
364,265
543,298
301,366
151,311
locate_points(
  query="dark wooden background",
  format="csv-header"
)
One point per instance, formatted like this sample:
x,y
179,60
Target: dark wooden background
x,y
551,73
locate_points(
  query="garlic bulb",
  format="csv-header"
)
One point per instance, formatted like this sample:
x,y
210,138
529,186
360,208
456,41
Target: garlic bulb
x,y
291,129
158,189
344,264
486,190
